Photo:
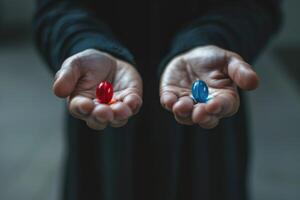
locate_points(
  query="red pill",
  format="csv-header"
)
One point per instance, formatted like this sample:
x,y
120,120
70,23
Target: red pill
x,y
104,92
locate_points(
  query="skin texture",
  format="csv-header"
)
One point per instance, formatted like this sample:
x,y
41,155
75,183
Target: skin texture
x,y
223,71
77,81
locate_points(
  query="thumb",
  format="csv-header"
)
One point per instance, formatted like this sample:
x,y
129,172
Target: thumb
x,y
66,78
242,74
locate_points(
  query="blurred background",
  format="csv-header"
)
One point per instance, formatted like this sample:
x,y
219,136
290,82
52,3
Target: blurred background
x,y
31,118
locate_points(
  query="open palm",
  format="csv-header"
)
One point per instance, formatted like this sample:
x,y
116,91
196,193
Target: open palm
x,y
222,70
80,75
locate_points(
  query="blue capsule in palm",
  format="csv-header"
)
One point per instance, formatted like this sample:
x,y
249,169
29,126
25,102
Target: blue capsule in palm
x,y
200,91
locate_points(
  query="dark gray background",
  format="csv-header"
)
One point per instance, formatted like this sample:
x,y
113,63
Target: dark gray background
x,y
31,118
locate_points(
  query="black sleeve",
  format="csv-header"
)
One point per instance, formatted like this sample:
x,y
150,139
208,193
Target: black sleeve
x,y
242,26
65,27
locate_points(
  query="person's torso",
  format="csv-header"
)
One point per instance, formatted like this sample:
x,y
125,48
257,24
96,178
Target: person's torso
x,y
147,27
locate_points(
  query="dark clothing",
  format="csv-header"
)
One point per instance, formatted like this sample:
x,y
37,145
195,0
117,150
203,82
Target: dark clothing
x,y
152,157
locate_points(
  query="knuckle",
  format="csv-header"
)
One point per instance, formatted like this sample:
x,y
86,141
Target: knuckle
x,y
75,112
212,47
90,51
72,61
234,55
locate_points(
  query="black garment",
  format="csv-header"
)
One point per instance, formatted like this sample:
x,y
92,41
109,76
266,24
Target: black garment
x,y
153,157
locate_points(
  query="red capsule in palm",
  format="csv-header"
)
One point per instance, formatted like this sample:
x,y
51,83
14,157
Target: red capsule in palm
x,y
104,92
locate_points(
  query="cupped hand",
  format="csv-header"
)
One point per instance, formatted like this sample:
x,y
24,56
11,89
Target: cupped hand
x,y
77,81
222,70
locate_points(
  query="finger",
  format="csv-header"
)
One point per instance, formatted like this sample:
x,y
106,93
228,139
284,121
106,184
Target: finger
x,y
200,115
121,111
242,74
211,123
81,107
183,107
184,120
121,114
95,124
223,105
100,117
66,78
168,99
102,114
134,102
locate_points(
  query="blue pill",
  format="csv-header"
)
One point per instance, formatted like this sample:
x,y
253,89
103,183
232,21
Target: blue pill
x,y
200,91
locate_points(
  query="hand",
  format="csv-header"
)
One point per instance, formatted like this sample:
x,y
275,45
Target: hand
x,y
78,78
223,71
